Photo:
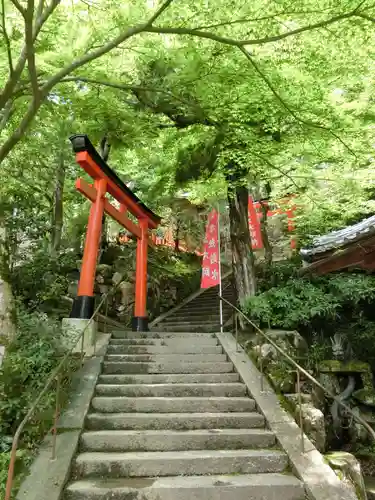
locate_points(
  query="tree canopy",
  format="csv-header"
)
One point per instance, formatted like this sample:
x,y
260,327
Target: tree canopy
x,y
194,98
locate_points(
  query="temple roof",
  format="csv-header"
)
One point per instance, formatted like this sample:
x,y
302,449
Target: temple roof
x,y
337,239
352,247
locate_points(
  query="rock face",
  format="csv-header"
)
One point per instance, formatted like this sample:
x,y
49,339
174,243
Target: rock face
x,y
267,352
348,468
313,424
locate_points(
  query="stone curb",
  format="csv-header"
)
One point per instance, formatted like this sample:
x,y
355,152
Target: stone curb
x,y
320,481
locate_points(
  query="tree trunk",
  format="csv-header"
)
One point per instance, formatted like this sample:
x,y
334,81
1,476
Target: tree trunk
x,y
268,255
58,208
242,255
7,329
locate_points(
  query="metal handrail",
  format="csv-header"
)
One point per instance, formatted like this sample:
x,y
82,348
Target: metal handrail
x,y
55,375
299,370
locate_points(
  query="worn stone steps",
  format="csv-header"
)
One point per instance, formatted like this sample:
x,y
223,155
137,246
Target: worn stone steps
x,y
225,487
134,367
194,318
120,334
171,404
169,440
172,390
197,307
173,463
178,327
166,358
171,419
169,416
187,348
170,378
174,421
191,323
207,340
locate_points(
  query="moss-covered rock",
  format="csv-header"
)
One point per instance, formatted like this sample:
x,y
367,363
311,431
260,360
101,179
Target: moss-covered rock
x,y
347,467
336,366
365,396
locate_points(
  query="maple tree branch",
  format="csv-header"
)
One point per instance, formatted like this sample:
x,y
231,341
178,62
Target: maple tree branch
x,y
273,166
39,10
6,38
43,15
256,41
6,113
17,134
122,86
13,79
363,15
159,12
178,120
104,49
286,105
19,7
256,19
30,50
91,56
34,106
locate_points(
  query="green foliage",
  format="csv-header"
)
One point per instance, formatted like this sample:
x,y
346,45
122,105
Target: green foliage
x,y
318,307
30,358
42,280
295,303
305,300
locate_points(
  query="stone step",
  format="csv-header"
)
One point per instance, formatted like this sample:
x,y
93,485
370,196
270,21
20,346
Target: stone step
x,y
270,486
208,302
211,306
166,342
128,368
189,323
167,440
119,334
174,421
176,463
163,349
189,378
171,390
166,358
187,316
176,327
171,405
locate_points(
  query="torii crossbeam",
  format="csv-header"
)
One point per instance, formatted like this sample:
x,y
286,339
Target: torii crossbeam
x,y
107,181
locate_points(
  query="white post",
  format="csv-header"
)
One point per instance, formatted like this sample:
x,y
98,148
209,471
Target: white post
x,y
219,255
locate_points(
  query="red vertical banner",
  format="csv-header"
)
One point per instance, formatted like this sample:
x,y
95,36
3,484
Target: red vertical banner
x,y
254,226
211,252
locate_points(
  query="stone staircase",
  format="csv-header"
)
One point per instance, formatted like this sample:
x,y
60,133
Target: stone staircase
x,y
171,420
202,313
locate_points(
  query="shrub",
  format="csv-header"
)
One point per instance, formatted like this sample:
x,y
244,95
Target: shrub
x,y
43,279
318,307
30,358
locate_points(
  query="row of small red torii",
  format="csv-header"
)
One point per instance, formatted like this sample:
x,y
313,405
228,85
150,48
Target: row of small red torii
x,y
255,217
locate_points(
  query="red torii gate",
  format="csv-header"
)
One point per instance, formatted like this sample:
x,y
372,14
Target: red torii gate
x,y
107,181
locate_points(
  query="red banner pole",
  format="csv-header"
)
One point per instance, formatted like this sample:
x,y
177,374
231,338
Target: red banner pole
x,y
219,258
